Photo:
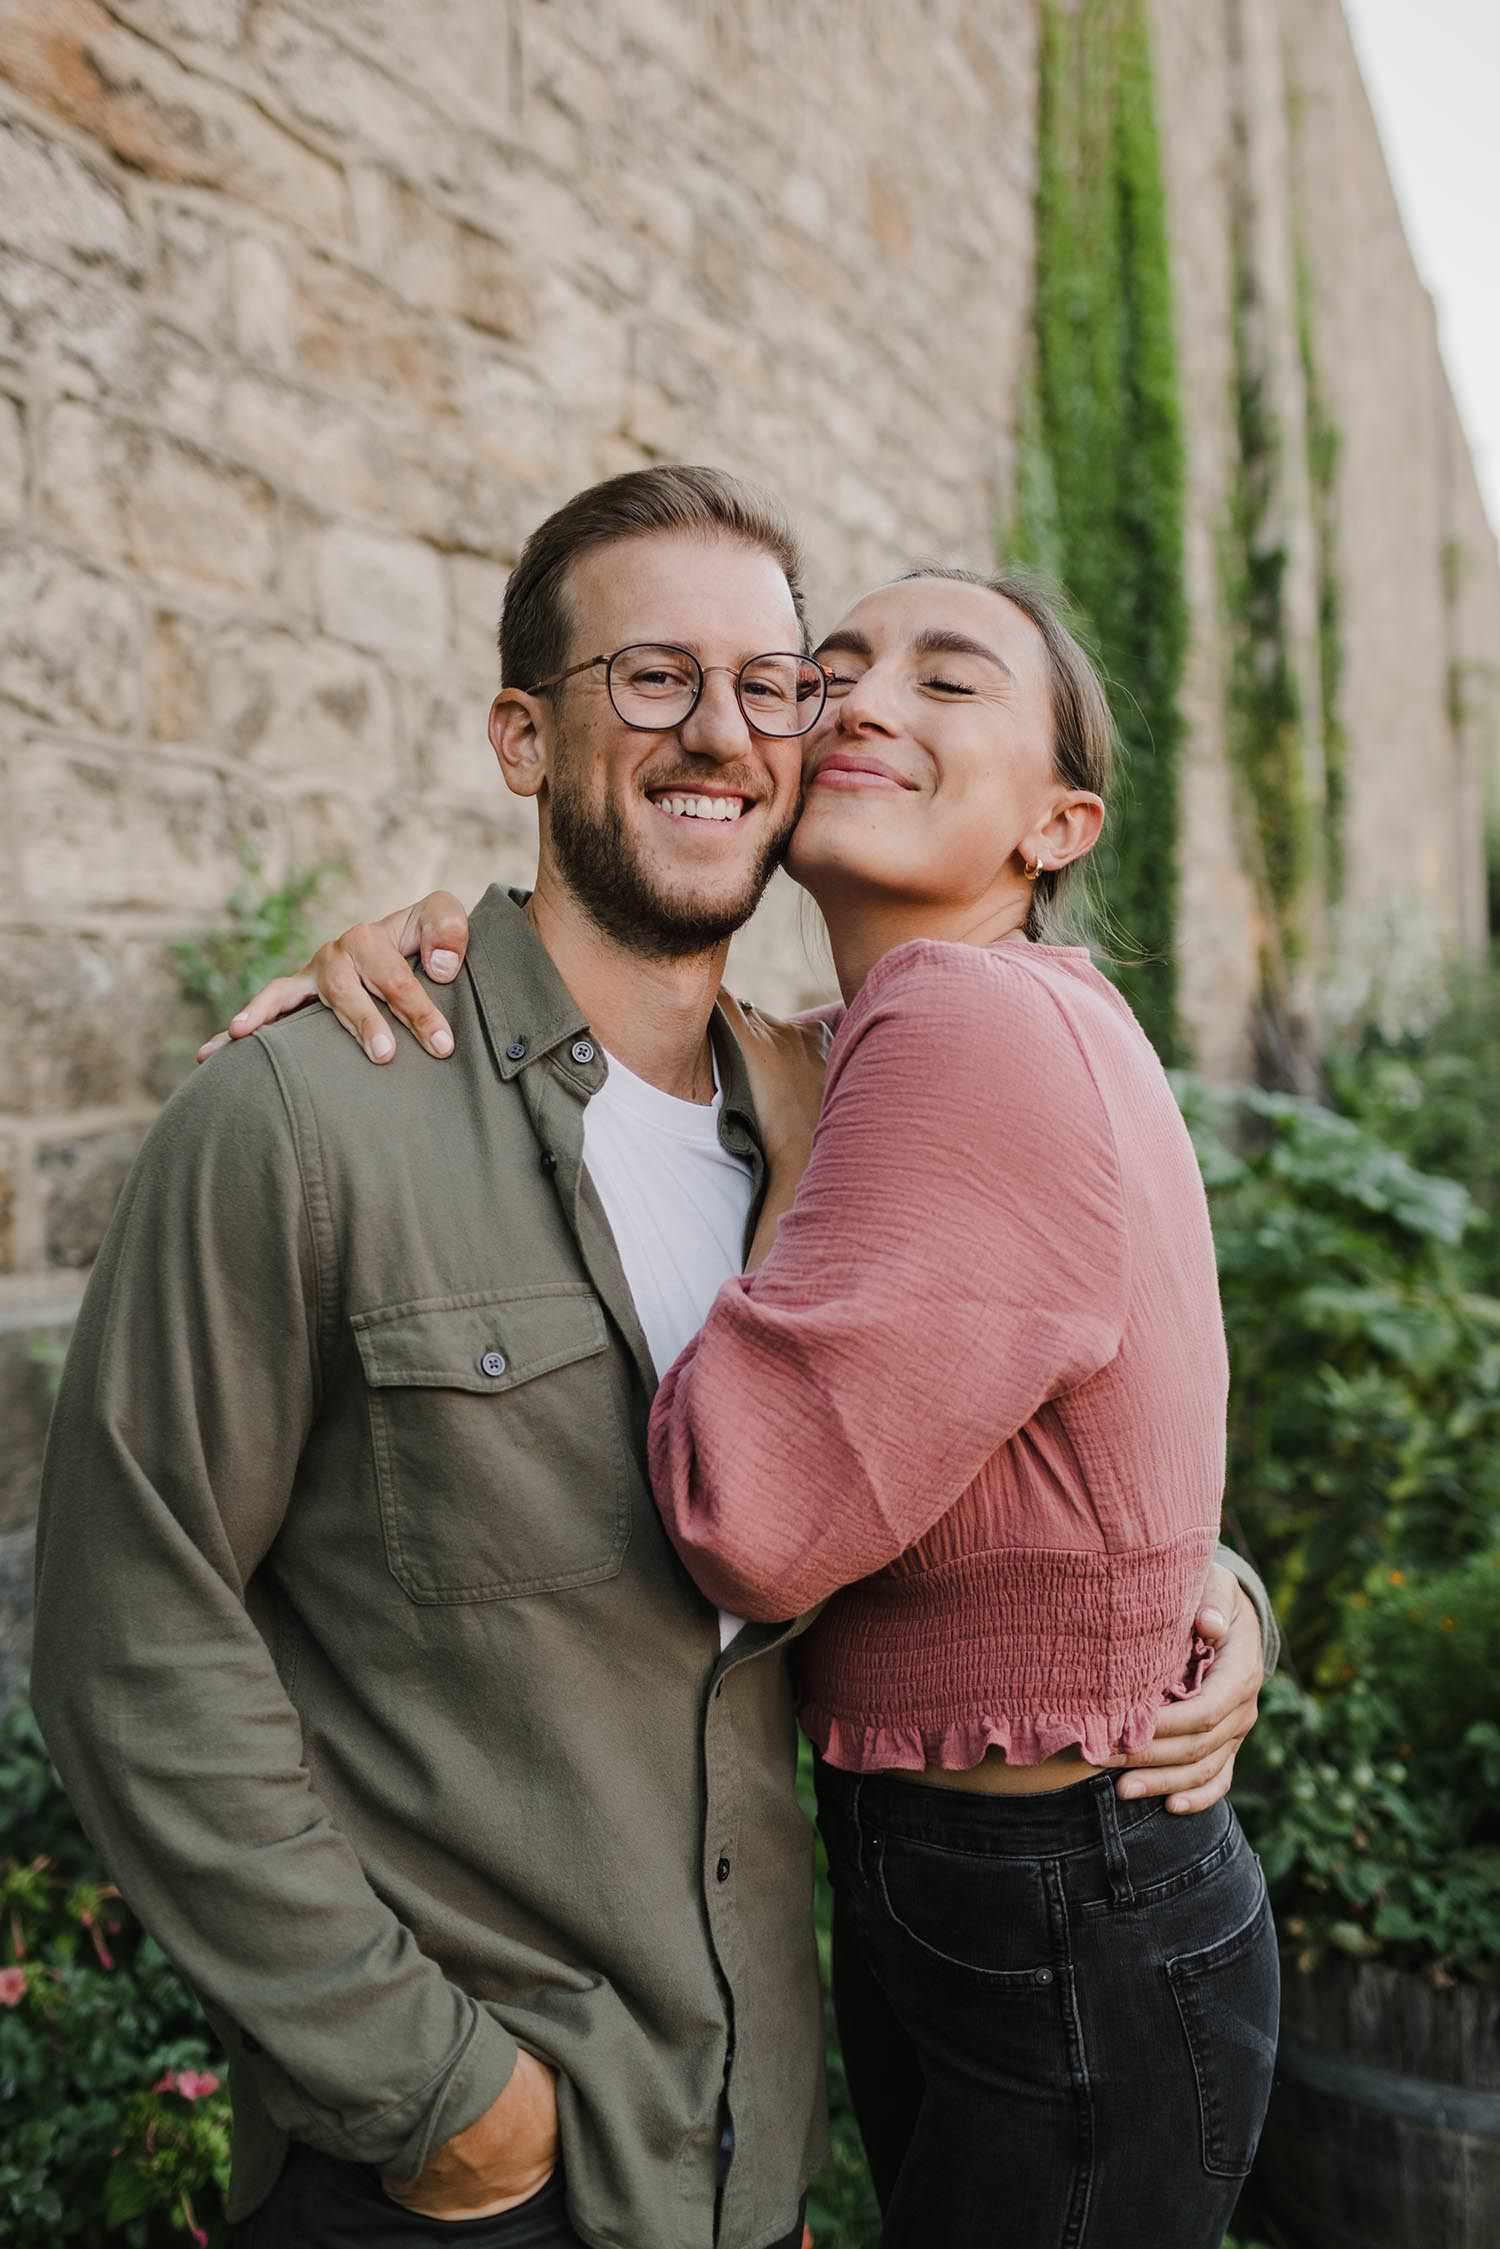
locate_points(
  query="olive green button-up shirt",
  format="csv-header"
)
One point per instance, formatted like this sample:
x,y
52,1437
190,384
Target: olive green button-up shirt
x,y
366,1660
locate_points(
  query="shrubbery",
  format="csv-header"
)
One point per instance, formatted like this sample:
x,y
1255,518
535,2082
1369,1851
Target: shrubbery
x,y
116,2122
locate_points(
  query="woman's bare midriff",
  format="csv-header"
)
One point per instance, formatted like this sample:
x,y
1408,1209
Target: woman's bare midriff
x,y
994,1777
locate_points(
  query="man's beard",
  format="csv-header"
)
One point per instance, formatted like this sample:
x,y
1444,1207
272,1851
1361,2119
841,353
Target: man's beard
x,y
605,870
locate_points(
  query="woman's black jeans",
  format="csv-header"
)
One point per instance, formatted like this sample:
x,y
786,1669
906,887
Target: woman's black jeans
x,y
1058,2013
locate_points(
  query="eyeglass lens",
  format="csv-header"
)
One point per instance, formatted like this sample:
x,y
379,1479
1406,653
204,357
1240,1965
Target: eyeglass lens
x,y
657,686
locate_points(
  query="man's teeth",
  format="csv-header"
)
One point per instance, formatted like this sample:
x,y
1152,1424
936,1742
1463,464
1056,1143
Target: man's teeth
x,y
702,808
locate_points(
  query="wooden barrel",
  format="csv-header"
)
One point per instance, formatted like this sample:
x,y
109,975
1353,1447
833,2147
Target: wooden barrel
x,y
1384,2129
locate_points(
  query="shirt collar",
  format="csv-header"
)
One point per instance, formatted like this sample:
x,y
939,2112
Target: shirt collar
x,y
527,1008
529,1011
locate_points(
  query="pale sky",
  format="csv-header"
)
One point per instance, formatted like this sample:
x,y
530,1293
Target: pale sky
x,y
1432,68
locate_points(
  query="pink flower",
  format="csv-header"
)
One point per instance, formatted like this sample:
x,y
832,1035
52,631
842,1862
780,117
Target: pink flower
x,y
192,2084
12,1986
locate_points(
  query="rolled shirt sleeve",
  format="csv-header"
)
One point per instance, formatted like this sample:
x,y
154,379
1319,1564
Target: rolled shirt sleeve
x,y
188,1394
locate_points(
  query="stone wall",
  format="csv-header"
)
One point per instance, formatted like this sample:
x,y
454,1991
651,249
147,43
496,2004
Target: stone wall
x,y
306,315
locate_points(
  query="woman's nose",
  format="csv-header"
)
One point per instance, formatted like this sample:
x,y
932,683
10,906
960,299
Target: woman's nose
x,y
864,708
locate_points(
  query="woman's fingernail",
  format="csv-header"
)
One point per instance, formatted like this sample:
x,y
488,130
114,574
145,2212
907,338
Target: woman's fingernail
x,y
1130,1787
382,1046
1214,1619
242,1017
444,964
442,1042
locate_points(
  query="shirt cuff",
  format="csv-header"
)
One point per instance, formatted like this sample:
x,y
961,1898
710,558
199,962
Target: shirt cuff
x,y
1260,1601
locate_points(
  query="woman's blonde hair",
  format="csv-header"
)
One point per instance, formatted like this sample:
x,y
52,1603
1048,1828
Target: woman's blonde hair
x,y
1083,740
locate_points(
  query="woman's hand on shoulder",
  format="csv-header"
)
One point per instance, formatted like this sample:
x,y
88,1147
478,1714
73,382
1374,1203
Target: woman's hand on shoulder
x,y
369,962
787,1064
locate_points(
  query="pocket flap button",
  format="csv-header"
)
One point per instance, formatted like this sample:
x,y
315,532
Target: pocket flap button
x,y
583,1050
493,1363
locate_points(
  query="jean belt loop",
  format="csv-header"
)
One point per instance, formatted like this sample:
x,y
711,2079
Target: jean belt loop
x,y
1116,1865
856,1790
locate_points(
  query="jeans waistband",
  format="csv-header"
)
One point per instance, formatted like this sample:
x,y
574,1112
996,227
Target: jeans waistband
x,y
1081,1818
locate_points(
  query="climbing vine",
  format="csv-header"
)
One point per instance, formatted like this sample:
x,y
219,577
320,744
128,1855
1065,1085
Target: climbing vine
x,y
1265,707
1100,488
1323,451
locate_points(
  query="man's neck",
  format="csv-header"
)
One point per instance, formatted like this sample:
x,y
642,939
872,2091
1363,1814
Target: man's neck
x,y
652,1015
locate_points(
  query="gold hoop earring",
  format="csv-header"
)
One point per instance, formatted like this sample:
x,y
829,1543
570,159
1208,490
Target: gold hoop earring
x,y
1033,868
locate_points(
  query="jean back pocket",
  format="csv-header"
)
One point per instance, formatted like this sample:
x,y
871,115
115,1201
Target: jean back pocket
x,y
1229,1999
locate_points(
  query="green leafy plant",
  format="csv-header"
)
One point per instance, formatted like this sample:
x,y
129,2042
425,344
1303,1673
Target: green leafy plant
x,y
1376,1806
266,932
1433,1093
116,2121
1364,1426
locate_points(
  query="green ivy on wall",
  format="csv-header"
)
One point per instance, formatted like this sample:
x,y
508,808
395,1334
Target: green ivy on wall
x,y
1323,450
1265,712
1100,487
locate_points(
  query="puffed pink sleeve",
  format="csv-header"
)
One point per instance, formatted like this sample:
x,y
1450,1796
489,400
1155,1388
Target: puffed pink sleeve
x,y
954,1258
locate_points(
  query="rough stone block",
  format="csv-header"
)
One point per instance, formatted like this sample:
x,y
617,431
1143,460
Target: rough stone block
x,y
511,419
387,595
582,351
309,443
458,54
176,679
70,332
475,591
70,641
189,267
93,1022
455,268
78,1182
12,462
313,708
354,337
185,385
151,834
136,496
447,748
170,122
55,204
187,25
564,97
261,297
337,92
483,495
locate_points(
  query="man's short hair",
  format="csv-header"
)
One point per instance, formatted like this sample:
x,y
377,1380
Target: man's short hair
x,y
535,621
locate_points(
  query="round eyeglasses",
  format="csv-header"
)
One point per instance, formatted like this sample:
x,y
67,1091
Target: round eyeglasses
x,y
654,686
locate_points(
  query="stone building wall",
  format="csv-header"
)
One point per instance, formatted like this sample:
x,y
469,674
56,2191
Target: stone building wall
x,y
307,314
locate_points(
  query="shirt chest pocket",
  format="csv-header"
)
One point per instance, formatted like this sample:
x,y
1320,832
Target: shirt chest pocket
x,y
496,1431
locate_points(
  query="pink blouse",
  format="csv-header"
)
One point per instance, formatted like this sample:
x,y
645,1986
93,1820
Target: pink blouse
x,y
974,1399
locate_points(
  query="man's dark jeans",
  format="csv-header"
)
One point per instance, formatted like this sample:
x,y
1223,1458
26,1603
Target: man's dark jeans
x,y
1058,2013
320,2203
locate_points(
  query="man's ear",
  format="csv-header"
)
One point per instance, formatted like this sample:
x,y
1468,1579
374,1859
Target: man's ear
x,y
518,736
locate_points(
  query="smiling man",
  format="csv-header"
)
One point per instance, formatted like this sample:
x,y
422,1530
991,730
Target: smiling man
x,y
401,1725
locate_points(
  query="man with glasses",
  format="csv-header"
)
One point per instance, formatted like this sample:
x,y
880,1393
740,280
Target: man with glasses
x,y
400,1724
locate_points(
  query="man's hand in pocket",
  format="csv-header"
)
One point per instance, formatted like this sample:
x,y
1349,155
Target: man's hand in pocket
x,y
502,2159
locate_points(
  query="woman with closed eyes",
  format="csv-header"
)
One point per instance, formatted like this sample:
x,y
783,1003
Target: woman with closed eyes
x,y
967,1403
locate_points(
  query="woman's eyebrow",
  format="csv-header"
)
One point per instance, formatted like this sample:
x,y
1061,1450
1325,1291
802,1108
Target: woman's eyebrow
x,y
850,643
939,642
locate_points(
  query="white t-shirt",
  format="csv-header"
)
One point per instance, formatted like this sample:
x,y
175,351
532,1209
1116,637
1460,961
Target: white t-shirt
x,y
677,1204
